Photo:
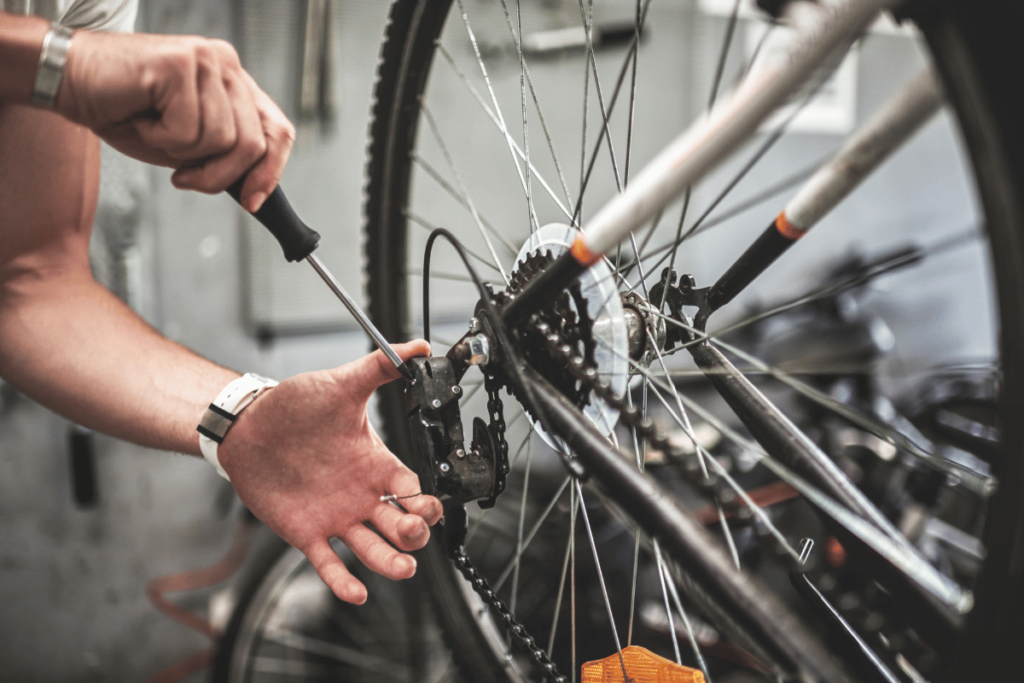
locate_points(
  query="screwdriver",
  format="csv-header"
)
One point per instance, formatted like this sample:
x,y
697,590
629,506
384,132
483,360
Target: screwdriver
x,y
299,241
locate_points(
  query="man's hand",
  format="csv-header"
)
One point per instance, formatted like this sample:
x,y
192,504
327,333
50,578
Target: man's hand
x,y
178,101
306,461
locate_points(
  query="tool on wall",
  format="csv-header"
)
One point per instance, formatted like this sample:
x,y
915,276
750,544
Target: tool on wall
x,y
316,77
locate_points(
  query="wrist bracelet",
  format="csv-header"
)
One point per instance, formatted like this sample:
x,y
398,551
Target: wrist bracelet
x,y
52,60
221,414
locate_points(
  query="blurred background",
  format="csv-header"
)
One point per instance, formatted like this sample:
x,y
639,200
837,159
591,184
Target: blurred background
x,y
87,521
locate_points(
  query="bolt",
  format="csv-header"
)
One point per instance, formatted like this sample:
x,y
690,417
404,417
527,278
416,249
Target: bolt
x,y
460,453
457,390
436,403
445,468
479,350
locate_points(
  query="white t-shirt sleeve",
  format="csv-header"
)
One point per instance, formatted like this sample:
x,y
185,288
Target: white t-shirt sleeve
x,y
97,15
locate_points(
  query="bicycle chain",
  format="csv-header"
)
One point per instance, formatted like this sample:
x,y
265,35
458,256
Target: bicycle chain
x,y
589,380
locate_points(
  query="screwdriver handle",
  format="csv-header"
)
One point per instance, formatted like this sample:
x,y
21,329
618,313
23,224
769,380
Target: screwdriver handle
x,y
296,238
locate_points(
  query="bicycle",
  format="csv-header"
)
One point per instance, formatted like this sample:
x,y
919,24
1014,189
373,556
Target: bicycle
x,y
931,625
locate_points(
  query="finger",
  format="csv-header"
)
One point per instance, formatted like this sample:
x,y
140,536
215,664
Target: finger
x,y
248,147
333,572
406,483
279,134
177,124
407,531
217,130
376,554
368,373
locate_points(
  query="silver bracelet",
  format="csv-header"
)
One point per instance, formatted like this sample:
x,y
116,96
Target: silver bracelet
x,y
52,61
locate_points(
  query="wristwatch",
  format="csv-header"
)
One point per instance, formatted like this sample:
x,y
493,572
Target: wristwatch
x,y
52,60
221,414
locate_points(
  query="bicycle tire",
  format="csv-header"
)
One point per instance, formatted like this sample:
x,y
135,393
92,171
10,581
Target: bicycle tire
x,y
971,48
287,624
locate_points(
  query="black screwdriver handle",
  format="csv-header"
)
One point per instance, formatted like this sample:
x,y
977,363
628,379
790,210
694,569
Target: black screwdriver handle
x,y
296,238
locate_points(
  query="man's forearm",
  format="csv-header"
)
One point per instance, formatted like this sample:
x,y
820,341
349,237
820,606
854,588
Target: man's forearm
x,y
65,340
21,41
73,346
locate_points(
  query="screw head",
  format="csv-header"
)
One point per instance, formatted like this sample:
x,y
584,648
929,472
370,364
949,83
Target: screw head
x,y
460,453
457,390
445,468
436,403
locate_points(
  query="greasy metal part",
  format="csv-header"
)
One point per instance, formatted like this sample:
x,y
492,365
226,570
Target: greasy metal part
x,y
642,326
359,315
456,523
435,424
479,350
935,620
845,637
542,289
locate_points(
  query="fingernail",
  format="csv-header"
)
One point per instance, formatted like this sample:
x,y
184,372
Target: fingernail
x,y
256,201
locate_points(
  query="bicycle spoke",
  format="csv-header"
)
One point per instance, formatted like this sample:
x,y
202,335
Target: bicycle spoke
x,y
740,207
494,119
654,384
634,47
969,478
668,613
490,89
519,526
632,98
462,189
446,186
600,577
704,456
525,545
701,664
565,573
588,26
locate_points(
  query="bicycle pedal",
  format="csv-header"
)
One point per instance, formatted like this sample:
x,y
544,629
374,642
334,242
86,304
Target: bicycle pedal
x,y
642,666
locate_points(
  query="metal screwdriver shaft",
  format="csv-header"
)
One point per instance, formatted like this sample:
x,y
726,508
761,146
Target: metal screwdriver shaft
x,y
358,314
299,241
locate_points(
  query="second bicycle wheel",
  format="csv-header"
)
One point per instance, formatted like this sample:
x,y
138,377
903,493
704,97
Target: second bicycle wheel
x,y
892,330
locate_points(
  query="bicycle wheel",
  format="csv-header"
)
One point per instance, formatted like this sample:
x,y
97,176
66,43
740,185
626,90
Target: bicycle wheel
x,y
450,85
287,625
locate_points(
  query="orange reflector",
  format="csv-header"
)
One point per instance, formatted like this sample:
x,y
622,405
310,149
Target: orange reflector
x,y
835,553
582,253
642,666
787,229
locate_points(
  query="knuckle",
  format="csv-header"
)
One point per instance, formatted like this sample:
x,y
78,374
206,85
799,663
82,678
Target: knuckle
x,y
226,52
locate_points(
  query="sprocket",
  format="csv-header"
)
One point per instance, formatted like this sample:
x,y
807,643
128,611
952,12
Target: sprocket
x,y
568,315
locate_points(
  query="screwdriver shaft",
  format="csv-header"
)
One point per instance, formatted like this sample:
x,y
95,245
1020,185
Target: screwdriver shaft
x,y
358,314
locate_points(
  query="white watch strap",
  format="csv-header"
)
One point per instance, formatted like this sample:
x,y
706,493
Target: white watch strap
x,y
222,413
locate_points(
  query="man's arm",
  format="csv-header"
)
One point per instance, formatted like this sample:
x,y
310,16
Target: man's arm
x,y
303,457
64,339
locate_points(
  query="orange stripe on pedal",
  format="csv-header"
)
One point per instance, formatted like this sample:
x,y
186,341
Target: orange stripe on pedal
x,y
787,229
582,253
